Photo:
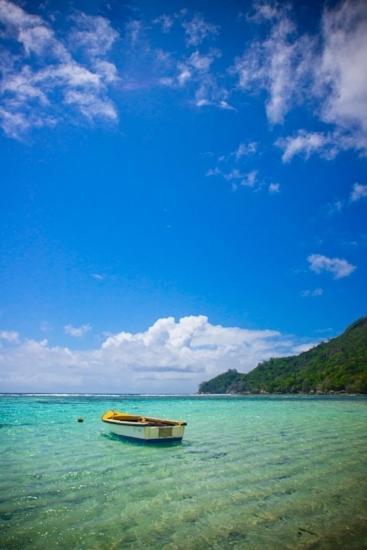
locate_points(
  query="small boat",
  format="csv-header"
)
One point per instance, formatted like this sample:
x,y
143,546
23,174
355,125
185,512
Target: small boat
x,y
144,428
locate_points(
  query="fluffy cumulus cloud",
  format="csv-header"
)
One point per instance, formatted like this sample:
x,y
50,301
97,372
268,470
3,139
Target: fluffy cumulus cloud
x,y
43,82
170,356
339,267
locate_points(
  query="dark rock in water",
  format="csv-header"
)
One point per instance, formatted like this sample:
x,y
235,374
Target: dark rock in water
x,y
80,419
302,530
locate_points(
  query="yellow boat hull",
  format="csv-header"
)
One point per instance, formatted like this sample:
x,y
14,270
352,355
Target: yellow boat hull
x,y
143,428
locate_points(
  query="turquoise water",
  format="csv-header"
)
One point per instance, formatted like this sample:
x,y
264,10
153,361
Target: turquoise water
x,y
252,472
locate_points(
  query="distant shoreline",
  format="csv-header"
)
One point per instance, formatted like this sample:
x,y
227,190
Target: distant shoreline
x,y
197,395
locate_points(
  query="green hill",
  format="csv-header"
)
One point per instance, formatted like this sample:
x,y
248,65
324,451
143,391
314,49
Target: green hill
x,y
334,366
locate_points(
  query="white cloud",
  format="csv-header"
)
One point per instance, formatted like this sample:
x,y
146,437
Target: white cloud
x,y
250,179
359,192
31,31
342,74
213,172
278,64
234,174
10,336
312,293
223,104
41,81
335,207
134,31
325,144
274,188
307,143
196,67
202,62
90,105
339,267
144,66
210,93
264,11
184,74
165,22
197,30
233,167
245,149
169,356
326,71
196,71
77,332
192,73
93,34
98,276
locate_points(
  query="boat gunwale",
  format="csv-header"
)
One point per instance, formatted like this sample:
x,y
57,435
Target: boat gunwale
x,y
151,422
125,422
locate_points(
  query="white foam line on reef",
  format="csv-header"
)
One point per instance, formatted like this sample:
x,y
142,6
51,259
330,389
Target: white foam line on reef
x,y
19,394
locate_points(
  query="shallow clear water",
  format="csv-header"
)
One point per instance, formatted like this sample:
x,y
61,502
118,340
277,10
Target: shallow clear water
x,y
252,472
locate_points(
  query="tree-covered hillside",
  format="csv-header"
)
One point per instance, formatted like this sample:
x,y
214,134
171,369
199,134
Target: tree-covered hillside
x,y
337,365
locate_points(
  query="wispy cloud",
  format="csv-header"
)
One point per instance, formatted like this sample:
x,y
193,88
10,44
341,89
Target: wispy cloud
x,y
339,267
67,72
77,332
168,355
198,29
335,207
45,74
326,145
234,167
98,276
312,293
308,143
165,21
195,73
279,64
274,188
250,179
341,74
326,70
358,192
245,149
93,35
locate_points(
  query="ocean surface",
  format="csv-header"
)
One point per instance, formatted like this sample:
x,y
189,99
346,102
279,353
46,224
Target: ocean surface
x,y
252,472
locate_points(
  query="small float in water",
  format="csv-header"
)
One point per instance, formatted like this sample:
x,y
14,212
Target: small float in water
x,y
144,428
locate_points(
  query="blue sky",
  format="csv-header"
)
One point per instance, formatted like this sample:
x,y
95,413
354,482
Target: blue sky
x,y
184,188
